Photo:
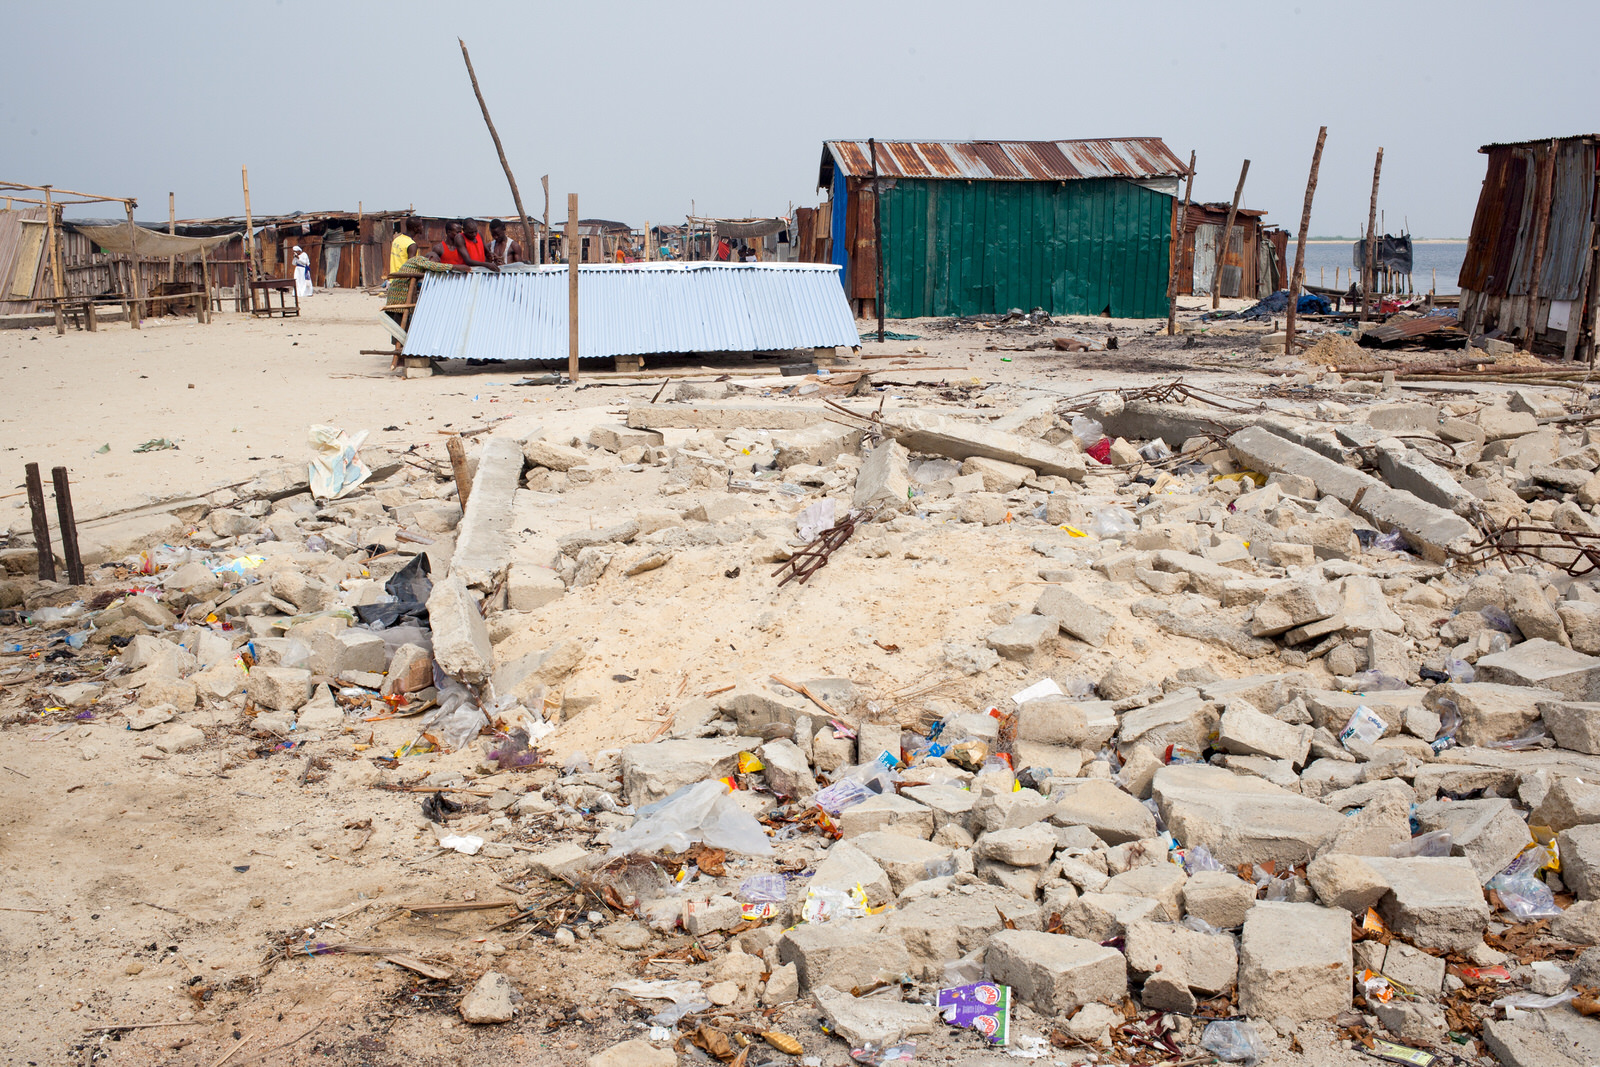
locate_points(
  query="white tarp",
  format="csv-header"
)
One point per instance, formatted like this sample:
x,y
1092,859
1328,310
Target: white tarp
x,y
114,238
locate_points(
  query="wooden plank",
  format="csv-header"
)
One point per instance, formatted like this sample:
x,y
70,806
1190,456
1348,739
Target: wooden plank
x,y
422,967
1297,276
41,524
574,241
1227,239
69,525
1541,214
1176,255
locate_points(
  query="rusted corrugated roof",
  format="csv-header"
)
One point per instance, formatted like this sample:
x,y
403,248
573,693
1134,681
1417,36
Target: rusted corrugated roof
x,y
1108,157
1539,142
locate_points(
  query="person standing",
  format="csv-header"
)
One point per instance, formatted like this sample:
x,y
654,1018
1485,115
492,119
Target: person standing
x,y
474,241
302,273
404,245
502,249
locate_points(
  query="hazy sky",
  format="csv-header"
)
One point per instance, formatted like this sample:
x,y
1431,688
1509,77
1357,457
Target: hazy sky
x,y
641,108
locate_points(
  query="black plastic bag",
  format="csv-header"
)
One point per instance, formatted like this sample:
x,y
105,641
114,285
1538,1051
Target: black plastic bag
x,y
410,586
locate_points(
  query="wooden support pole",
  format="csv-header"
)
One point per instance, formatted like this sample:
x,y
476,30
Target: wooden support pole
x,y
56,286
69,525
1298,274
1177,251
1541,215
41,525
458,465
516,196
1590,306
172,228
574,241
1369,266
544,244
135,284
877,230
1227,238
251,264
648,254
205,285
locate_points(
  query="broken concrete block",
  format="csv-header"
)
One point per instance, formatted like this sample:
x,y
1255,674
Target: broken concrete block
x,y
279,688
889,812
1433,902
1052,721
1024,846
788,773
1053,973
941,436
845,867
1574,725
1241,820
460,639
615,438
410,669
1531,612
1161,882
1489,833
1579,848
884,479
1220,898
1291,604
489,1000
1414,968
905,860
817,445
998,475
1077,617
1499,423
634,1053
939,929
876,1021
1568,802
530,587
1247,732
1181,717
1102,916
555,457
1544,664
1209,962
1294,962
844,953
483,537
948,804
1023,636
653,771
1490,711
1113,815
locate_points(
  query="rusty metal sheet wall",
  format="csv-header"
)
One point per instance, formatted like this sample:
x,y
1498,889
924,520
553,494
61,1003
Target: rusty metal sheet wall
x,y
1120,157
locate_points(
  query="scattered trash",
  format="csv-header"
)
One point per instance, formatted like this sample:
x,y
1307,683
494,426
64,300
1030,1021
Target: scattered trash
x,y
1233,1040
155,444
984,1007
335,468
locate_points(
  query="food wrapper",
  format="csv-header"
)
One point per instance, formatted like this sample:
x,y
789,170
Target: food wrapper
x,y
749,763
1375,986
983,1006
1388,1050
1364,725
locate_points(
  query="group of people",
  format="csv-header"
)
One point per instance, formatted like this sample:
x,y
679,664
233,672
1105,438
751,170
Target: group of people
x,y
463,247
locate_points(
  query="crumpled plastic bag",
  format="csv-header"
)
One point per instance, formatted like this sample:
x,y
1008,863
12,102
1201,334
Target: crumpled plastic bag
x,y
702,812
1233,1040
814,519
335,466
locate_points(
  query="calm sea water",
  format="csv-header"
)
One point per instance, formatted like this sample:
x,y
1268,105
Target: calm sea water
x,y
1426,257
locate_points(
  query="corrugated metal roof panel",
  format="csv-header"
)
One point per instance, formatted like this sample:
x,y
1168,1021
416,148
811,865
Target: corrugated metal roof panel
x,y
1112,157
631,310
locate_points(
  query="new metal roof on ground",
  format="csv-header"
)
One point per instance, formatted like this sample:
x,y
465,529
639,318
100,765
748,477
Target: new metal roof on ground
x,y
632,309
1105,157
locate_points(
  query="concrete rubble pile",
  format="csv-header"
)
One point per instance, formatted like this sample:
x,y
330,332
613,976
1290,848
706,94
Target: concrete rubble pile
x,y
1379,826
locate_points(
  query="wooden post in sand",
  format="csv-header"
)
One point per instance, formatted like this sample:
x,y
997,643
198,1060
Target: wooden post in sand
x,y
1370,262
172,228
544,249
41,524
1300,244
68,527
1177,252
516,196
55,262
1227,237
250,265
574,240
458,467
133,267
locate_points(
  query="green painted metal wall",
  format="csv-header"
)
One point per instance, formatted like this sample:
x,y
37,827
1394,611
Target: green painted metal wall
x,y
1072,248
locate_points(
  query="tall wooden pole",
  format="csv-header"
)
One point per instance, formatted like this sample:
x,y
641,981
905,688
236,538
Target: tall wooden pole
x,y
41,524
516,196
1227,238
251,268
574,241
543,249
68,527
648,254
1298,273
133,266
877,231
1541,215
1369,267
1177,251
172,228
56,287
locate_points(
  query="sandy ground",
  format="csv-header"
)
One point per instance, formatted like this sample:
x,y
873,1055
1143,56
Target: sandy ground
x,y
164,890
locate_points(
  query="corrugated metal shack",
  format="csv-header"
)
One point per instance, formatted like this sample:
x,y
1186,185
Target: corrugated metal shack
x,y
1531,265
634,309
1253,265
980,227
